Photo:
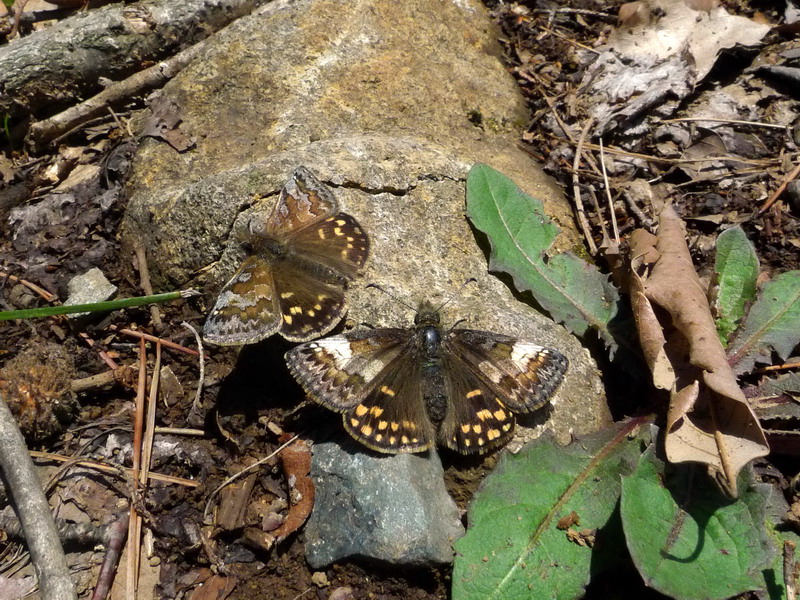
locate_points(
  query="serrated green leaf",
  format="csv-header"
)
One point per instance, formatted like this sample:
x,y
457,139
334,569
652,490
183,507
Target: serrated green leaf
x,y
704,548
573,291
773,323
513,548
737,270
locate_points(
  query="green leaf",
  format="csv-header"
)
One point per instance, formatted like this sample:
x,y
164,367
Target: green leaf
x,y
573,291
737,271
773,323
513,548
690,541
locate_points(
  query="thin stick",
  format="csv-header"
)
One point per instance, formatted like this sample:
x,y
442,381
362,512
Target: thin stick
x,y
149,431
576,192
135,526
116,540
151,338
178,431
731,121
196,404
776,194
147,288
31,286
101,353
608,192
789,570
45,131
111,469
34,512
782,367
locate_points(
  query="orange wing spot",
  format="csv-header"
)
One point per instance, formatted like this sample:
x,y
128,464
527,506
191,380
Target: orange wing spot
x,y
318,307
392,440
366,430
467,442
484,414
404,439
378,437
500,414
414,440
465,429
321,233
473,393
296,310
383,425
477,428
354,422
361,410
507,426
387,390
311,313
288,319
341,222
338,231
350,239
376,411
493,434
395,426
409,425
480,442
287,295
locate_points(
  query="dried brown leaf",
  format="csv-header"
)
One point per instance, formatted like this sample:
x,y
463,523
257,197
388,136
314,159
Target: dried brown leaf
x,y
709,419
296,461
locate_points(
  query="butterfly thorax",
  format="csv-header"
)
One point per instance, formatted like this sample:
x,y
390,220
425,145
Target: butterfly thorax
x,y
429,341
271,249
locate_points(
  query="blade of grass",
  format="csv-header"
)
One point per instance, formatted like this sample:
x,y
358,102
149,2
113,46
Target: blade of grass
x,y
50,311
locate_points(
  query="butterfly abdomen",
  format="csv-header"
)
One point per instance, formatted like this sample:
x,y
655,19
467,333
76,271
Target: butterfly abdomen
x,y
434,391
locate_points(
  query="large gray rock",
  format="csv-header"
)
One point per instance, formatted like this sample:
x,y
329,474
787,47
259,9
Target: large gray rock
x,y
393,509
389,103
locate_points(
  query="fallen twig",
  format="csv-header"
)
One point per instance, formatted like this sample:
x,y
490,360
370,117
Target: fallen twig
x,y
116,539
33,512
777,193
114,469
152,338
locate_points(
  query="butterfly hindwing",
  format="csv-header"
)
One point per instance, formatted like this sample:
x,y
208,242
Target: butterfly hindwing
x,y
391,417
308,307
523,374
246,310
476,420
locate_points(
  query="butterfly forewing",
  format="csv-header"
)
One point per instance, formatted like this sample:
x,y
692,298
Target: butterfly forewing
x,y
303,201
391,417
339,371
522,374
245,311
338,242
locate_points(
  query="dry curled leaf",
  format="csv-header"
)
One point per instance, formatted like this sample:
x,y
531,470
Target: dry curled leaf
x,y
296,462
709,420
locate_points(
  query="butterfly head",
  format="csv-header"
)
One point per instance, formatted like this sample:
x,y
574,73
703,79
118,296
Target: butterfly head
x,y
427,315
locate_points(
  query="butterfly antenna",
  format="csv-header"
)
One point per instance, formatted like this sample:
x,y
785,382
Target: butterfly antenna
x,y
456,293
392,296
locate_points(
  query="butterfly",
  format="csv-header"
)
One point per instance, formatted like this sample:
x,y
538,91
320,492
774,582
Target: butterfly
x,y
404,390
293,281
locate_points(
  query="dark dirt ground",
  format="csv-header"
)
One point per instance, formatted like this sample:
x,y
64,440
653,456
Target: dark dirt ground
x,y
59,242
